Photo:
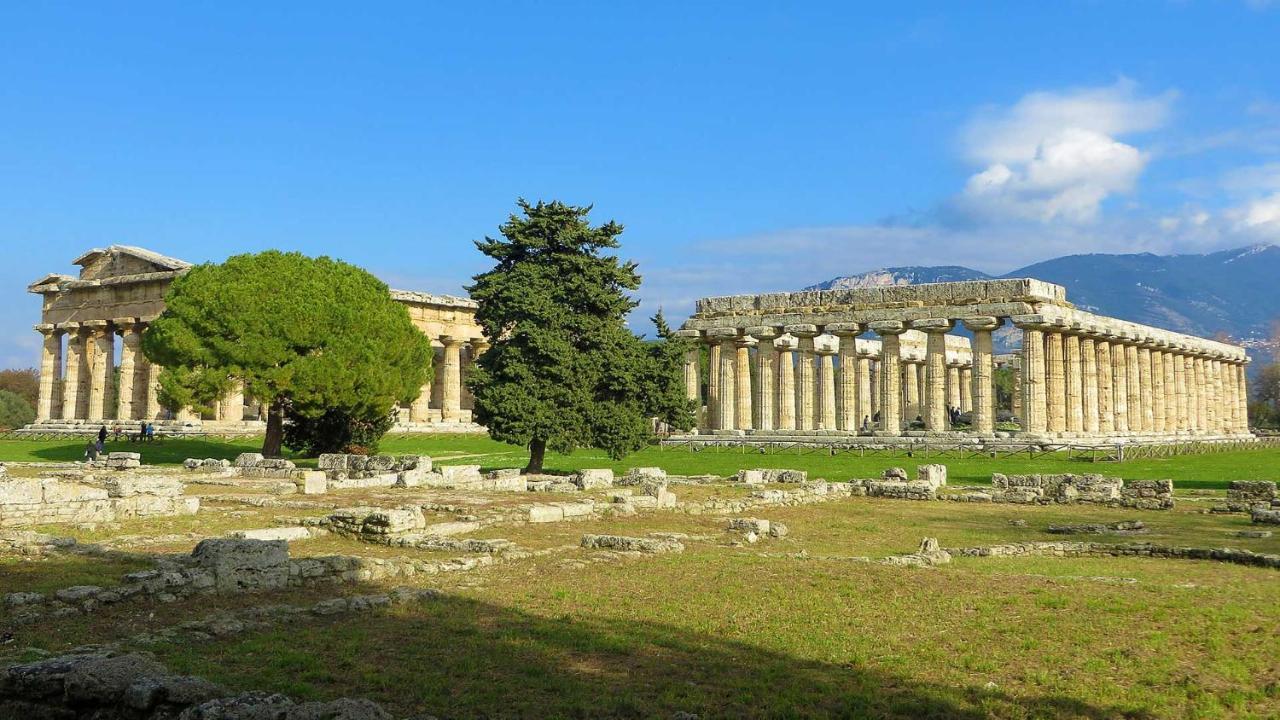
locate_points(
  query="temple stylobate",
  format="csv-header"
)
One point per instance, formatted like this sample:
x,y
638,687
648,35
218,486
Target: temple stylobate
x,y
917,360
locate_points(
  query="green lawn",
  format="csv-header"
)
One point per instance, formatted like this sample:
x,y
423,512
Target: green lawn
x,y
1209,471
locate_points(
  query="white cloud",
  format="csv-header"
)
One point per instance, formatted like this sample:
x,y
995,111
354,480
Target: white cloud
x,y
1260,217
1055,155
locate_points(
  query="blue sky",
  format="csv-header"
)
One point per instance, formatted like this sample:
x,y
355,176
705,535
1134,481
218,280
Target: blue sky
x,y
745,147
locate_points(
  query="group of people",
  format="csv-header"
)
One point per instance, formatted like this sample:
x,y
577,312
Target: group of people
x,y
95,448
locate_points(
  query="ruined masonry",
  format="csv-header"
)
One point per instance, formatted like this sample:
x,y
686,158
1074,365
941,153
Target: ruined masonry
x,y
794,366
93,323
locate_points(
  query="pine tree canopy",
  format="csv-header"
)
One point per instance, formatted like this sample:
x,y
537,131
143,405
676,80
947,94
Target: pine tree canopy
x,y
305,335
564,371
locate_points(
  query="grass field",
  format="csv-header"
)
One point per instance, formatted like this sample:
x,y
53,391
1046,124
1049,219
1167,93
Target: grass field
x,y
1208,471
790,627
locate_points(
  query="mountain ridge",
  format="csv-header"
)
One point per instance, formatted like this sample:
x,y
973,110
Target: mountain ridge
x,y
1228,292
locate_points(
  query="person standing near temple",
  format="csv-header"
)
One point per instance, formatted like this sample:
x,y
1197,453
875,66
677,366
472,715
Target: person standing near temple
x,y
102,435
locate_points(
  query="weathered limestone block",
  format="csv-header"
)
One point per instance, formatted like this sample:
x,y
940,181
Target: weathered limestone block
x,y
1265,516
277,533
155,505
459,475
275,464
895,473
57,491
577,509
545,513
1251,491
771,475
123,460
745,525
128,486
456,527
250,459
313,482
594,478
21,491
1122,527
239,565
641,475
631,544
378,521
505,480
326,461
914,490
934,474
1147,494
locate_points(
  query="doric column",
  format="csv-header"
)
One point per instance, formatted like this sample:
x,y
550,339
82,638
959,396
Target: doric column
x,y
129,340
911,405
966,388
890,373
232,406
727,393
825,348
1105,391
1120,384
151,409
1242,396
1198,391
1089,383
1055,382
953,385
742,382
1145,388
786,347
922,382
848,411
874,372
1015,402
1227,373
692,359
1182,424
75,368
1192,391
451,409
935,363
50,369
766,372
1219,399
1034,398
1133,369
98,343
866,390
713,382
806,390
1170,390
984,409
1073,378
1157,391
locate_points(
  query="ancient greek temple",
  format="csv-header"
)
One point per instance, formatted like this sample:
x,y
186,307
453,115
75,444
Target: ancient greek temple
x,y
917,361
92,370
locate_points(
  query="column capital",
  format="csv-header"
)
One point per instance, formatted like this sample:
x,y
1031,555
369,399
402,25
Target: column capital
x,y
46,328
69,326
845,329
763,332
1032,322
721,334
746,341
933,325
826,345
786,342
687,334
802,330
982,322
479,344
92,325
888,327
450,341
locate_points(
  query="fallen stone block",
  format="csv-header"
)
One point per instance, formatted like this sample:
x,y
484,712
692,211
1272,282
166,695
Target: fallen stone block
x,y
594,478
238,565
934,474
249,459
278,533
641,475
623,543
755,525
1265,516
545,513
313,482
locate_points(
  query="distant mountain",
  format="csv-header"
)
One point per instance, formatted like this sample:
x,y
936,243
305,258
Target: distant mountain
x,y
1236,292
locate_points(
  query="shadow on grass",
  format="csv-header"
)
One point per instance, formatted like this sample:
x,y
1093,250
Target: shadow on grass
x,y
164,451
457,657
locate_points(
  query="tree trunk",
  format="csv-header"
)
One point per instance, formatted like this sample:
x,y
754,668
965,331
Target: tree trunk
x,y
271,444
537,450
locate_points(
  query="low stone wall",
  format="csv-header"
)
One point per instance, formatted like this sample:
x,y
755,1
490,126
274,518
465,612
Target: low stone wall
x,y
136,687
622,543
1072,489
1095,549
37,501
761,476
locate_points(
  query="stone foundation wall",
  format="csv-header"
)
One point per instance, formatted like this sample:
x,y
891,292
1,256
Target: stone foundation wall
x,y
37,501
136,687
1093,549
1071,489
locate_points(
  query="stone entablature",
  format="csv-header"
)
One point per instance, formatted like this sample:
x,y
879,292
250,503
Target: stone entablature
x,y
120,289
787,362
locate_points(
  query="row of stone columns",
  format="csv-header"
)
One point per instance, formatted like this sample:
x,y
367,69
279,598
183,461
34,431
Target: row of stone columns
x,y
808,379
1078,381
1072,381
77,367
445,398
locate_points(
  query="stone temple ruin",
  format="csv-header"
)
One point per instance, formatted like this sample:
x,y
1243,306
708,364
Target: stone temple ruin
x,y
120,289
794,366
